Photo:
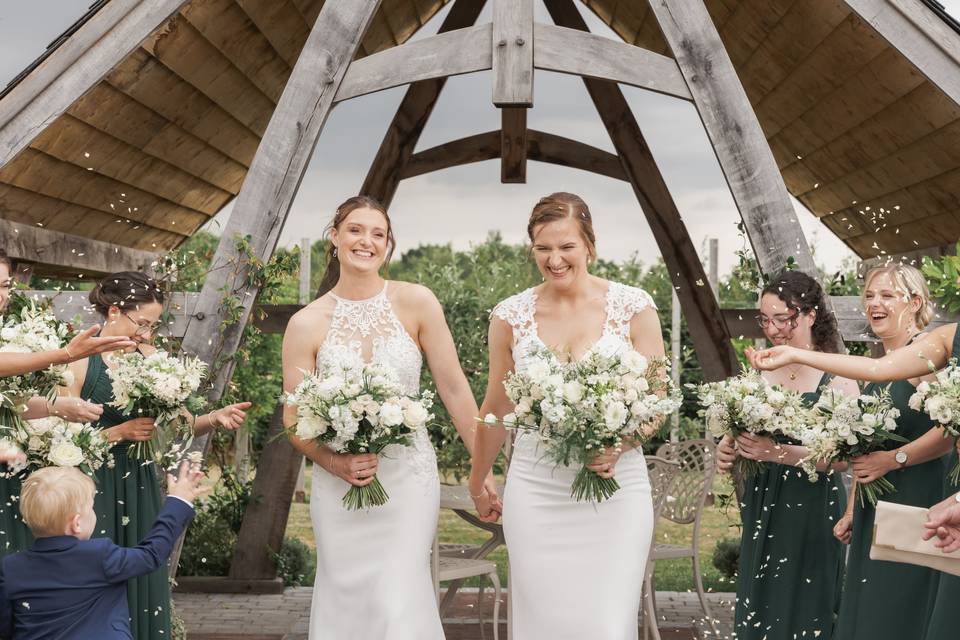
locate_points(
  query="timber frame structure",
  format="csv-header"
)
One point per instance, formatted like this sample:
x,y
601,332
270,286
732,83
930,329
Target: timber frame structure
x,y
148,116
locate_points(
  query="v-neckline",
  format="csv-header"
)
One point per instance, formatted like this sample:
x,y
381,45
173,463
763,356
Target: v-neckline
x,y
589,349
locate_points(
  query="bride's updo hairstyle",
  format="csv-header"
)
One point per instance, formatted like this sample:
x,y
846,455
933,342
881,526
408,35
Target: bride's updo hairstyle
x,y
125,290
332,273
803,294
558,206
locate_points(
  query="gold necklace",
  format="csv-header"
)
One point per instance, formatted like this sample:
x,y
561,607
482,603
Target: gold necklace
x,y
793,374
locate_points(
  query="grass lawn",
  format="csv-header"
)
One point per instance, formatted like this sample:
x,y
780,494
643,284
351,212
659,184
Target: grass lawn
x,y
672,575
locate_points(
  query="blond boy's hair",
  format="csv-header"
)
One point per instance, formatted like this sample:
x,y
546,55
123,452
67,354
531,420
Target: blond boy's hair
x,y
51,497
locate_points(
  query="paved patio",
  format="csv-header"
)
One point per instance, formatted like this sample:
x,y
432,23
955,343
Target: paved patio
x,y
285,616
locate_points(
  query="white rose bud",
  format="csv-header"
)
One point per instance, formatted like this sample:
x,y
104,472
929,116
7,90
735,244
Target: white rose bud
x,y
65,454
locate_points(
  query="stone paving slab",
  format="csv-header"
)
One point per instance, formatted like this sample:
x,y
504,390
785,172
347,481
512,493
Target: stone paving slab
x,y
286,616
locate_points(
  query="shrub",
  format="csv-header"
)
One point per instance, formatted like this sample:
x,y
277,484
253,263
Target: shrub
x,y
726,557
295,563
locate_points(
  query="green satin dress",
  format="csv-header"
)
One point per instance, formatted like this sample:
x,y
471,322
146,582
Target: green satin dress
x,y
791,566
892,600
14,534
127,502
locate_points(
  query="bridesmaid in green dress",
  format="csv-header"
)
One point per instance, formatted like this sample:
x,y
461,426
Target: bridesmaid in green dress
x,y
129,495
791,567
14,534
945,619
872,605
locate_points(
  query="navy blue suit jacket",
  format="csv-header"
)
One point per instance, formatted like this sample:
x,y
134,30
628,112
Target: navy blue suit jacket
x,y
64,588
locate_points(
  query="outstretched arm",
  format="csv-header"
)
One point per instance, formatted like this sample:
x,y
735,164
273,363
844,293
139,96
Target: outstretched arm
x,y
83,345
929,352
489,438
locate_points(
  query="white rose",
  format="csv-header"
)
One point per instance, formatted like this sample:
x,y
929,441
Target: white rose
x,y
65,454
490,419
415,415
916,401
309,427
641,385
923,387
538,370
391,414
634,362
510,419
553,381
40,426
75,428
573,392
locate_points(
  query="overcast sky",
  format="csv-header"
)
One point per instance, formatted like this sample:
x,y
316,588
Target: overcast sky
x,y
462,205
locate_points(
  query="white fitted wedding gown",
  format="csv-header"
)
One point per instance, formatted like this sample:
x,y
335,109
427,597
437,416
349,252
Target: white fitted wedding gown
x,y
576,568
373,566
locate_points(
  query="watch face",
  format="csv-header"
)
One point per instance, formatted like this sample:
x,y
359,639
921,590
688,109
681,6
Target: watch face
x,y
901,457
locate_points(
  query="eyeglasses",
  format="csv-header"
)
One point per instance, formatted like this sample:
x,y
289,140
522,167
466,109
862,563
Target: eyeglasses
x,y
780,322
142,329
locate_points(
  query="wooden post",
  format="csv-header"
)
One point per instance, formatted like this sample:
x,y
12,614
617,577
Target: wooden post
x,y
733,129
704,320
513,53
513,145
267,194
713,266
675,347
412,115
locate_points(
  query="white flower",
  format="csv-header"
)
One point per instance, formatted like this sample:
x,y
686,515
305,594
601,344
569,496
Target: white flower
x,y
415,415
310,427
573,392
490,419
614,415
538,370
391,414
634,362
65,454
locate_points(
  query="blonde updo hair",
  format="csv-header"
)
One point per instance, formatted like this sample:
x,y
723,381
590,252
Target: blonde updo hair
x,y
52,496
909,281
561,205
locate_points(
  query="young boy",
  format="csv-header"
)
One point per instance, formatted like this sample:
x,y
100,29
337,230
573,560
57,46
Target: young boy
x,y
67,586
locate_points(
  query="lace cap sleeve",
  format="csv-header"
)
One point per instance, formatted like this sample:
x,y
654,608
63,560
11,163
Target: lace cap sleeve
x,y
517,311
624,302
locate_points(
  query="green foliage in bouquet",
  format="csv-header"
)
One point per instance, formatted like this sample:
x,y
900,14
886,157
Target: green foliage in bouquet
x,y
943,276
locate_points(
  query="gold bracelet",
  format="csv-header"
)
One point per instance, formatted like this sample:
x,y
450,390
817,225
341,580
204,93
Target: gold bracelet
x,y
69,355
482,493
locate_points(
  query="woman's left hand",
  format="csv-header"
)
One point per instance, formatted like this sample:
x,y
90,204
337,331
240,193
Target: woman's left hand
x,y
760,448
873,466
605,464
230,417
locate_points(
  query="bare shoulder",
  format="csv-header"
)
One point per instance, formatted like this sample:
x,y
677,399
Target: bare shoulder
x,y
414,299
308,318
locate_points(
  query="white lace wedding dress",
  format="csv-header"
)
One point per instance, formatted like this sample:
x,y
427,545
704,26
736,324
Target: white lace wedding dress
x,y
373,567
576,568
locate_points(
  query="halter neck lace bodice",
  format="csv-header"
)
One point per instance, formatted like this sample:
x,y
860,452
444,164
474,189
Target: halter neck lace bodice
x,y
622,304
365,331
369,331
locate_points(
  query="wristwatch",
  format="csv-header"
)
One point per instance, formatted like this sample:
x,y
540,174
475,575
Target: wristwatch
x,y
901,457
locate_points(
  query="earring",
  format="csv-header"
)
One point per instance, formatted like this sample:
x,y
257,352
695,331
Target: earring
x,y
334,252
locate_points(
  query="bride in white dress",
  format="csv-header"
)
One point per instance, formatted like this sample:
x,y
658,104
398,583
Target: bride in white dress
x,y
373,567
576,568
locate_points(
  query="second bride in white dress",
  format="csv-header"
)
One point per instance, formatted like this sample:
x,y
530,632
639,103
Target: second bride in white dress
x,y
576,568
373,566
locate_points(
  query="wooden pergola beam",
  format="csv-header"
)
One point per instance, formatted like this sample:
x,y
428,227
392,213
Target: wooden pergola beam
x,y
267,195
513,48
542,147
707,329
412,115
66,251
513,145
739,142
75,67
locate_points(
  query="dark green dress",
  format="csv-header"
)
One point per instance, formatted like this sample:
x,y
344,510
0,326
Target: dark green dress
x,y
892,600
14,534
791,566
127,502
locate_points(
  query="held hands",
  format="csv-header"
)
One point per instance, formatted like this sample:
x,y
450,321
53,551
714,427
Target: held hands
x,y
772,358
726,454
86,343
605,464
943,521
136,430
74,409
760,448
873,466
843,530
230,417
358,470
186,485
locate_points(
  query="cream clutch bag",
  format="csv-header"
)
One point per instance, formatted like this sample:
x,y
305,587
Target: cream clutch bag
x,y
897,538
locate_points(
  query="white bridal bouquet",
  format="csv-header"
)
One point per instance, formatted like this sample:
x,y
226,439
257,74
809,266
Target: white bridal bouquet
x,y
847,427
580,408
55,442
358,410
30,328
941,401
749,404
158,386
